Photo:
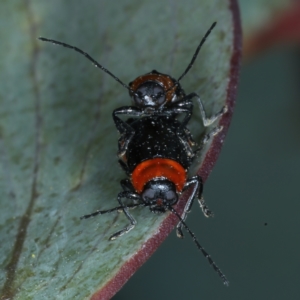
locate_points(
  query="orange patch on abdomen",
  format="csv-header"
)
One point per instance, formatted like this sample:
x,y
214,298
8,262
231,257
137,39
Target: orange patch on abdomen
x,y
158,167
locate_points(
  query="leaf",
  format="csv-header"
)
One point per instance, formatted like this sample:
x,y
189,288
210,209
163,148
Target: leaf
x,y
58,140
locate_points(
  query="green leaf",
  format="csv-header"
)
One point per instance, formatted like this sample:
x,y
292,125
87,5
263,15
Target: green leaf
x,y
58,141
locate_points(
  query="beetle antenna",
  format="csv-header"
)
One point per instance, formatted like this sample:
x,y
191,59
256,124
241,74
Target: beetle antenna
x,y
208,257
89,58
197,51
194,56
102,212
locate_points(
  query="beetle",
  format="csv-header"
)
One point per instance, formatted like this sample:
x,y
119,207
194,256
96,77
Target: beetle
x,y
156,149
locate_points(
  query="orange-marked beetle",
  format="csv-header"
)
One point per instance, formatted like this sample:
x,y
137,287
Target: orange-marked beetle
x,y
156,149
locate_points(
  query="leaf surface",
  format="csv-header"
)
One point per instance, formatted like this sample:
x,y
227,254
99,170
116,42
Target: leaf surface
x,y
58,142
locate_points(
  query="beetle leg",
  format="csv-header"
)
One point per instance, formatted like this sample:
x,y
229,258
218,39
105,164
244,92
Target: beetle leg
x,y
197,183
211,134
206,121
126,229
125,130
183,132
127,185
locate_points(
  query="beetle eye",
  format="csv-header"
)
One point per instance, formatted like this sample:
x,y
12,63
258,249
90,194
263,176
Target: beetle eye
x,y
160,98
148,195
139,97
171,195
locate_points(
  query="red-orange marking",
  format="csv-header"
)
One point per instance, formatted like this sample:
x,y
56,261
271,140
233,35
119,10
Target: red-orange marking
x,y
164,80
158,167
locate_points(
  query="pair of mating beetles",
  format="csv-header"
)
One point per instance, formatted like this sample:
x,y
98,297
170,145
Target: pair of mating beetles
x,y
156,148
